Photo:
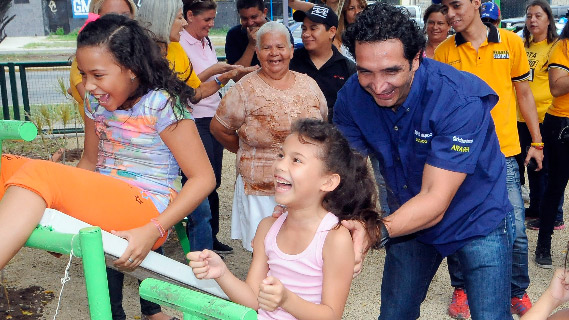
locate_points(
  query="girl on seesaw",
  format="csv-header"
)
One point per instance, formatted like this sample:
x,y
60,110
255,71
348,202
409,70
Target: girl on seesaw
x,y
303,261
138,134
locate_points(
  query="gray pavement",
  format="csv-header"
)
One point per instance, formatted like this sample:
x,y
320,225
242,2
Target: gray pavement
x,y
39,45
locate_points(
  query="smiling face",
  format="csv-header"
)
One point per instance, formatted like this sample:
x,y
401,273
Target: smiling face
x,y
437,27
537,22
115,6
104,78
274,53
300,176
252,17
315,36
200,24
461,13
177,26
384,72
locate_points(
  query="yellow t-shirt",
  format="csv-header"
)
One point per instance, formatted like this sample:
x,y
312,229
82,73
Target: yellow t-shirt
x,y
559,59
538,58
181,64
75,78
500,61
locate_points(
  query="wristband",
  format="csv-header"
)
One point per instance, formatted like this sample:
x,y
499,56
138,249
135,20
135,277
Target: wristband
x,y
159,227
537,145
221,85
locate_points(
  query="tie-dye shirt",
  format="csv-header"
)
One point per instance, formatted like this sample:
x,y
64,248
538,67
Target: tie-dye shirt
x,y
130,147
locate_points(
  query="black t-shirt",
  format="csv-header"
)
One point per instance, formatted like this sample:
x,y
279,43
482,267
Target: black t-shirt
x,y
330,77
236,42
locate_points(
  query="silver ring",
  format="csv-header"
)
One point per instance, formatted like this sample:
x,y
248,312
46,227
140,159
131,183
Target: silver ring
x,y
130,260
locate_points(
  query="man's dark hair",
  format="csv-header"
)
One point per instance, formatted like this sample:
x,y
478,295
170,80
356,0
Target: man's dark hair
x,y
246,4
381,22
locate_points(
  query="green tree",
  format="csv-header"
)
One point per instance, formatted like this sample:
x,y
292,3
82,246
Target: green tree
x,y
4,18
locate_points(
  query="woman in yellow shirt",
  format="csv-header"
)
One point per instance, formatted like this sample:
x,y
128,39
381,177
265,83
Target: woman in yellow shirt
x,y
540,35
165,20
556,138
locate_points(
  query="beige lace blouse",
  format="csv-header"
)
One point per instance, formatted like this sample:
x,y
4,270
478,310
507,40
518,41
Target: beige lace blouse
x,y
262,117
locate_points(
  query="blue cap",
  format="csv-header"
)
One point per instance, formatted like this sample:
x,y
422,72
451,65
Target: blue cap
x,y
437,1
490,10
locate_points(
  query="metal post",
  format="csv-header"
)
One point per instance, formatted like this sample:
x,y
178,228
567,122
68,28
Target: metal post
x,y
95,273
183,237
14,129
4,93
25,95
194,305
14,90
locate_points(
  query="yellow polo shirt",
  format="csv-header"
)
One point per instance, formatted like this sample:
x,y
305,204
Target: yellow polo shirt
x,y
181,64
538,57
559,59
76,78
500,61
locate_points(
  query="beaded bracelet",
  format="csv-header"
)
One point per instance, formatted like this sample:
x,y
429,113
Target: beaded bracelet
x,y
159,227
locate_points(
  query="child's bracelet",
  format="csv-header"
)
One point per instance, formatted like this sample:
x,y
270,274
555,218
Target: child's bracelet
x,y
159,227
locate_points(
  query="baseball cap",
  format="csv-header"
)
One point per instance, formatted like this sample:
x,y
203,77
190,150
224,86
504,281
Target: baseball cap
x,y
319,14
490,10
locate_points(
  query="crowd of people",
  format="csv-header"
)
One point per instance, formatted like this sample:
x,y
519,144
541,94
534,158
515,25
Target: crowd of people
x,y
451,125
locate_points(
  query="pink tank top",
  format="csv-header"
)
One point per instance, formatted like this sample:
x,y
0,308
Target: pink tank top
x,y
300,273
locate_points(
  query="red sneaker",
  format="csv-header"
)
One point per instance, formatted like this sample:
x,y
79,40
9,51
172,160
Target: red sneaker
x,y
520,305
458,308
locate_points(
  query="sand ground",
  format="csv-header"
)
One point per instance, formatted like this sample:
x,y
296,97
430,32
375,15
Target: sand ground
x,y
35,267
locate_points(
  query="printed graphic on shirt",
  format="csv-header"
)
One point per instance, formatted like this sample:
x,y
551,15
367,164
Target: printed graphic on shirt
x,y
460,147
501,54
423,138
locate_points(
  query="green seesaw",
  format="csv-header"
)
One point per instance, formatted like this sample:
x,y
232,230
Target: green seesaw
x,y
88,244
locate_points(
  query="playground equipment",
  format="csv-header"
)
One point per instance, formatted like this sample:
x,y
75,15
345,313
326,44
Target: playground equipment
x,y
64,234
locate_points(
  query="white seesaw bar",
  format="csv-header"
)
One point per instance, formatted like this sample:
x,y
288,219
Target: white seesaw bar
x,y
115,246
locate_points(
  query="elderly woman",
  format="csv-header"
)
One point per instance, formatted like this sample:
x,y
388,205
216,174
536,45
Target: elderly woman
x,y
254,118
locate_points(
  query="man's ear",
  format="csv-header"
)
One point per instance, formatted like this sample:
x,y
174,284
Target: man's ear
x,y
332,31
331,182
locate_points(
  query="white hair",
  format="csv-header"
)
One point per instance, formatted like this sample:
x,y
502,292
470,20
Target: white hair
x,y
158,16
270,27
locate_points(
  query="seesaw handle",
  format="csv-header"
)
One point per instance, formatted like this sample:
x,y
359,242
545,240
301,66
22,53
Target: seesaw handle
x,y
17,130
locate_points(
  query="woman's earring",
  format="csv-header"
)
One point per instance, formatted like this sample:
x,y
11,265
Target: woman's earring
x,y
132,79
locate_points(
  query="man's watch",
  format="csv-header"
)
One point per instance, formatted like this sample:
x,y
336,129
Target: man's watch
x,y
384,236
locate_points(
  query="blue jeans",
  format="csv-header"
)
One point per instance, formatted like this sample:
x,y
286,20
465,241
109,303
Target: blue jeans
x,y
198,228
520,273
486,261
214,151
